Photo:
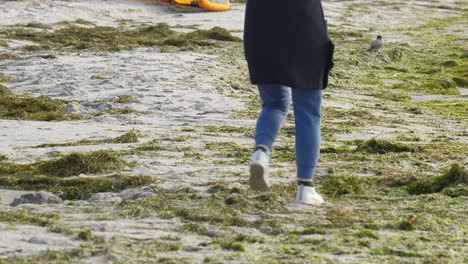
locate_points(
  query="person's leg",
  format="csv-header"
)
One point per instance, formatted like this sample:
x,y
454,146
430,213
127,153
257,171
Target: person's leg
x,y
275,107
276,99
307,114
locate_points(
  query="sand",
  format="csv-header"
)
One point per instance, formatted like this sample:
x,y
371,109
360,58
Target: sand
x,y
171,91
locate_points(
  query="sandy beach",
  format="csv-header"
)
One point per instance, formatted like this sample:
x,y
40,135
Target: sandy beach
x,y
172,117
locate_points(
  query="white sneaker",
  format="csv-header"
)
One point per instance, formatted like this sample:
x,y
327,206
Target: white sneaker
x,y
259,171
307,195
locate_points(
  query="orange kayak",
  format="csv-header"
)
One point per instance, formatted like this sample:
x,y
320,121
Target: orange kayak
x,y
211,5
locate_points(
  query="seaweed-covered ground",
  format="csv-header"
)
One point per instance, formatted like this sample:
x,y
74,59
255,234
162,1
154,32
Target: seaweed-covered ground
x,y
126,131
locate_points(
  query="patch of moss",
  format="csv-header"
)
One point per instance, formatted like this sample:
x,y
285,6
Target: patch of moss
x,y
385,250
48,57
382,146
461,82
167,260
98,38
129,137
37,25
3,43
3,157
308,231
187,129
402,62
229,244
452,109
344,34
119,111
396,97
229,129
367,233
10,56
178,139
337,185
449,63
190,206
97,77
26,217
5,91
40,108
456,175
193,155
393,68
124,99
33,48
456,191
5,78
126,138
216,33
154,145
404,137
221,146
100,161
407,225
83,22
197,228
86,234
76,189
334,150
330,113
77,21
241,155
153,248
73,164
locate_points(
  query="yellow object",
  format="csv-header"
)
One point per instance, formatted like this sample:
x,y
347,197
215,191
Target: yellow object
x,y
186,2
213,6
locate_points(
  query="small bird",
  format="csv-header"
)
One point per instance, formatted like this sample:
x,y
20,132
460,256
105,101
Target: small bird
x,y
376,44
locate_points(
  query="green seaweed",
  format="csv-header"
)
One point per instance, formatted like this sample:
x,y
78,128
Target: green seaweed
x,y
129,137
216,33
100,161
456,109
10,56
5,44
397,252
27,217
367,233
124,99
99,38
229,244
75,189
154,145
42,108
229,129
336,185
48,57
454,176
5,78
382,146
37,25
77,163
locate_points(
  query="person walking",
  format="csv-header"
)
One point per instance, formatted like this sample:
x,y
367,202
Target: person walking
x,y
288,50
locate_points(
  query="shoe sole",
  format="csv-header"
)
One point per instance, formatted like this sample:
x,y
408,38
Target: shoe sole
x,y
310,202
257,179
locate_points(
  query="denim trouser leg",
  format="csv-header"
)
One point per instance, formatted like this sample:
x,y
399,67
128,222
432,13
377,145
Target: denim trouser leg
x,y
275,107
307,113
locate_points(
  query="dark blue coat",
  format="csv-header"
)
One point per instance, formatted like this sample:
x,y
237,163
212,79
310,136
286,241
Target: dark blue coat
x,y
286,42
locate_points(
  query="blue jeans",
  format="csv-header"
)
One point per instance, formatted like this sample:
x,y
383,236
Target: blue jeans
x,y
276,99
